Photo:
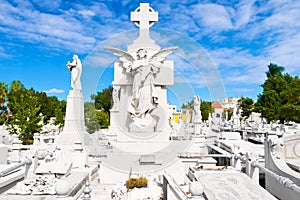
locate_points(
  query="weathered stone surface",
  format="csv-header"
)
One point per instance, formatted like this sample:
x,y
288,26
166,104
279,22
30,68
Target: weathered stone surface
x,y
231,186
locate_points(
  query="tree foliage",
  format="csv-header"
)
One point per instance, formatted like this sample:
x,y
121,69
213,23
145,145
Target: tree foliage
x,y
103,118
188,105
48,105
27,107
229,114
3,107
103,99
3,92
90,118
206,108
103,103
60,114
280,98
247,106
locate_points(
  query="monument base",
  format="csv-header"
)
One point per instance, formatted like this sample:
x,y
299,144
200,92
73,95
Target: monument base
x,y
140,147
68,136
135,129
123,136
197,128
74,127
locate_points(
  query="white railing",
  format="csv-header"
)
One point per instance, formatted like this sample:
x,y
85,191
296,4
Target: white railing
x,y
253,167
170,186
286,182
27,162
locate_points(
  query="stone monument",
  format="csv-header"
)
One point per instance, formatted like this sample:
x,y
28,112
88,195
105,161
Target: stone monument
x,y
74,119
197,118
235,117
141,76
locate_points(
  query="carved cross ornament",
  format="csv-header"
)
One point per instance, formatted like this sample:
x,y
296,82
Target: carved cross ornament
x,y
144,16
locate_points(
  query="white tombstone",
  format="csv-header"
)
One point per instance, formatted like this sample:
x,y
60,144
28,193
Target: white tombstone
x,y
15,155
140,80
4,154
79,156
235,116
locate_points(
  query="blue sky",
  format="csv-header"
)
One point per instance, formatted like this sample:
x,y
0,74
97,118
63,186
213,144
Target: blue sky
x,y
241,38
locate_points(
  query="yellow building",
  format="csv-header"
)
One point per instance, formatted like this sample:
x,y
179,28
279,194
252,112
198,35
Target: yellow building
x,y
187,115
176,117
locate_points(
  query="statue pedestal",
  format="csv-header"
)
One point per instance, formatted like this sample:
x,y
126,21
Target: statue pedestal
x,y
74,120
197,124
236,121
143,136
135,129
197,128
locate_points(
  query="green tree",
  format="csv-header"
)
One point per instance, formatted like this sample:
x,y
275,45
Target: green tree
x,y
3,108
3,92
280,97
103,118
48,105
91,121
290,109
206,108
25,109
60,113
274,70
247,106
103,99
269,105
229,112
188,105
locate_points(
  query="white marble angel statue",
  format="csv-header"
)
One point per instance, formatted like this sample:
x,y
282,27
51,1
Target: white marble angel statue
x,y
143,70
196,105
75,68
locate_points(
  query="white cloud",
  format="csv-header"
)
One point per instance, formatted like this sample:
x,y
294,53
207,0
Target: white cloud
x,y
286,53
245,36
243,13
239,66
64,29
164,8
273,21
54,91
87,13
33,26
212,16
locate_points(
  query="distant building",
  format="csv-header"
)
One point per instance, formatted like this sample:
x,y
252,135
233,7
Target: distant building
x,y
229,102
172,109
173,115
187,115
217,112
177,117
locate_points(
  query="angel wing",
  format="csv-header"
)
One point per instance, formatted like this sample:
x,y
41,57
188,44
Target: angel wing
x,y
121,53
162,54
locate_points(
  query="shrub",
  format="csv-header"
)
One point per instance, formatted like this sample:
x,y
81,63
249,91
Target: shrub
x,y
136,183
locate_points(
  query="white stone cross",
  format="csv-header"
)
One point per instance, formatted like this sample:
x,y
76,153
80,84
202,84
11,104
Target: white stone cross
x,y
146,17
